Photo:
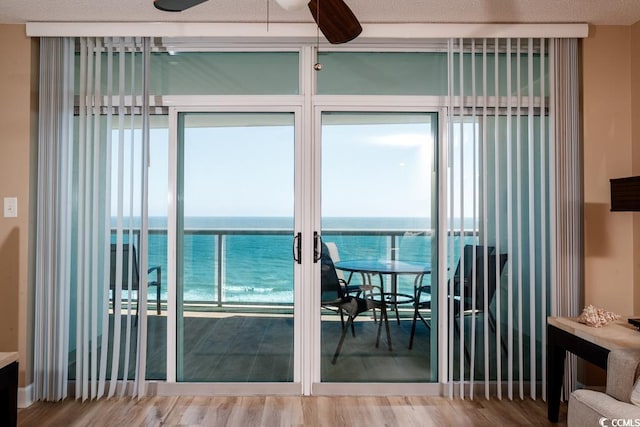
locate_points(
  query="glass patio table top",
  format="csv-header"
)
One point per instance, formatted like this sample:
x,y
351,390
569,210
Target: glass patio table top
x,y
394,268
384,267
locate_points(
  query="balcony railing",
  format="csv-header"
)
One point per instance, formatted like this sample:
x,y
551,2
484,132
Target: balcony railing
x,y
231,267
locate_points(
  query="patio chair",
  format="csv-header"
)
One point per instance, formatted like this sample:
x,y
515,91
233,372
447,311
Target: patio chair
x,y
333,296
335,257
135,275
348,287
469,307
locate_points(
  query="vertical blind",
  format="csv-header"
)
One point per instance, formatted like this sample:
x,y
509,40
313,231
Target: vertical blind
x,y
512,179
500,197
567,265
53,237
92,209
514,182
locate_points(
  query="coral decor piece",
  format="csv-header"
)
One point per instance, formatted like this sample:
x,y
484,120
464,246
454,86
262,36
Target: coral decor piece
x,y
596,317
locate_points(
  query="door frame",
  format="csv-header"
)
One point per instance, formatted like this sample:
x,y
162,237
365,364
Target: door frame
x,y
307,112
378,104
172,386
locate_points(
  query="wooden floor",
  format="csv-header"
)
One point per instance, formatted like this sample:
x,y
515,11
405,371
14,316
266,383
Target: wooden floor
x,y
218,342
289,411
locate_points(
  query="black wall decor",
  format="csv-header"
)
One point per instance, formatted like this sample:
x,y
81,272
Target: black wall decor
x,y
625,194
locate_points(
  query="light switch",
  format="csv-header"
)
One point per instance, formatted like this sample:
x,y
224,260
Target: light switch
x,y
10,207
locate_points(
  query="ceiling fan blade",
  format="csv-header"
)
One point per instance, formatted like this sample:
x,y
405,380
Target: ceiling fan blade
x,y
337,22
175,5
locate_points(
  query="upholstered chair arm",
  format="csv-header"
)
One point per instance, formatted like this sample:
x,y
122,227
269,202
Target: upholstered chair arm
x,y
623,368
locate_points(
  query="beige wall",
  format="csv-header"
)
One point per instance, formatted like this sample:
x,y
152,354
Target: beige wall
x,y
608,153
17,118
635,151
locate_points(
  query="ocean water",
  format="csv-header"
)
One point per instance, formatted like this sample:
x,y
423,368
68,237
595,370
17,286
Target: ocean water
x,y
250,259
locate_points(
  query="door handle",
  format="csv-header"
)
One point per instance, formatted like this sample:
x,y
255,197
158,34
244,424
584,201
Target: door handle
x,y
297,248
317,253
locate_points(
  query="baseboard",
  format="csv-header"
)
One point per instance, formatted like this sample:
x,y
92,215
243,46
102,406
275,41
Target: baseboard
x,y
25,396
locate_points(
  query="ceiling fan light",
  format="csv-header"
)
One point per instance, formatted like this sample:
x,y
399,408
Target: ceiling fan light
x,y
292,4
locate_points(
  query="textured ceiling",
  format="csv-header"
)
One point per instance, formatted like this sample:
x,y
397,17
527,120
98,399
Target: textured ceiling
x,y
600,12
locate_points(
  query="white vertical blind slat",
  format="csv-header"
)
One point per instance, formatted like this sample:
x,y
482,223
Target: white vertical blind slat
x,y
509,222
106,230
117,302
543,220
47,153
474,284
450,196
130,231
140,390
95,221
83,220
461,239
79,266
48,242
64,237
496,183
554,178
532,222
519,231
485,210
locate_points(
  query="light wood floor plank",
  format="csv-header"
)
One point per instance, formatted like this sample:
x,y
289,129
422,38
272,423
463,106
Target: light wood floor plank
x,y
288,411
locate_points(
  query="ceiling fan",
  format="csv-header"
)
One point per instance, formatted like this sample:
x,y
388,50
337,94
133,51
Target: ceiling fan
x,y
334,17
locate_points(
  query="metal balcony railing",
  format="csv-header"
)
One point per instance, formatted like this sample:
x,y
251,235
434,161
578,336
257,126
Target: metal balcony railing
x,y
212,250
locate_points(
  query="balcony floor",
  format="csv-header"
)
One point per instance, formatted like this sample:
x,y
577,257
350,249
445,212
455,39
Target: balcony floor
x,y
257,346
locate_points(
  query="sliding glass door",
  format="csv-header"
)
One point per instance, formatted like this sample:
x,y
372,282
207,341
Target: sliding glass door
x,y
234,269
379,222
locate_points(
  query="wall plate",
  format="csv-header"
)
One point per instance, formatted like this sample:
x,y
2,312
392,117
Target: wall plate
x,y
10,207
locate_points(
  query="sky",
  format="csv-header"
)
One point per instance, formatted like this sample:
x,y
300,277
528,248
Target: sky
x,y
236,167
367,170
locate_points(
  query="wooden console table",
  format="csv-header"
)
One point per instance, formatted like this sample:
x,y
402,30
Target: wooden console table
x,y
591,344
9,388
